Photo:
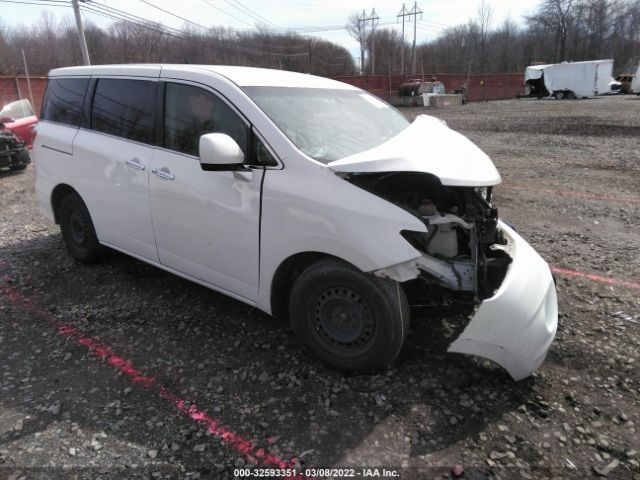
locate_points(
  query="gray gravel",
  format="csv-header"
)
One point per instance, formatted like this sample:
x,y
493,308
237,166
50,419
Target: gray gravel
x,y
64,412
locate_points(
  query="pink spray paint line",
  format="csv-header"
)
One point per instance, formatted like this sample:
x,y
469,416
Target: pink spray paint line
x,y
571,193
239,444
596,278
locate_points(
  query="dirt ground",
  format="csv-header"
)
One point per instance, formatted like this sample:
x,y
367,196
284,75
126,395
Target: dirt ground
x,y
119,370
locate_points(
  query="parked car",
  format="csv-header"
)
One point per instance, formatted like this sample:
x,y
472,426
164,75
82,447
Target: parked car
x,y
615,87
20,117
299,195
13,152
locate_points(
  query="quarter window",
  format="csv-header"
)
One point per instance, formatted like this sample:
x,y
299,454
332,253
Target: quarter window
x,y
261,155
64,100
191,112
124,108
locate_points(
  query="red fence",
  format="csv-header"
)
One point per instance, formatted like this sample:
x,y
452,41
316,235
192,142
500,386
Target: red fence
x,y
495,86
15,88
480,87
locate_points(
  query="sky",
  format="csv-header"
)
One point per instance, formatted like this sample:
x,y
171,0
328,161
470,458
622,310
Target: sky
x,y
293,14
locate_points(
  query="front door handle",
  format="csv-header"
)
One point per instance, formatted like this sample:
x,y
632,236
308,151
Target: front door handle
x,y
135,163
163,173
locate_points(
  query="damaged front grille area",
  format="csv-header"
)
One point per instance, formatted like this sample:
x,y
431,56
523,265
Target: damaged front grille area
x,y
10,147
465,259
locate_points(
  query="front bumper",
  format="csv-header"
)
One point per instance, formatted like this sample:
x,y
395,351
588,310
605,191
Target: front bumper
x,y
515,327
13,158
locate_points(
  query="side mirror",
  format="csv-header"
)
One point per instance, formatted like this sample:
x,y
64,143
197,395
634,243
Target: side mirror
x,y
218,151
6,120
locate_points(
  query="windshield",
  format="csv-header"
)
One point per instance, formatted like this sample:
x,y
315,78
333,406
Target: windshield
x,y
329,124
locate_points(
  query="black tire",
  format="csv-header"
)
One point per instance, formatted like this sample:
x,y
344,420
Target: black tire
x,y
350,320
77,229
18,168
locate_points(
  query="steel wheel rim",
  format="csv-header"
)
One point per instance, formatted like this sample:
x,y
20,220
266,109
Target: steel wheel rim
x,y
77,228
343,321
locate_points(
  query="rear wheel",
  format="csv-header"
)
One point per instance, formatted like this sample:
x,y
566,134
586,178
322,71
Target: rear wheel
x,y
560,95
348,319
77,229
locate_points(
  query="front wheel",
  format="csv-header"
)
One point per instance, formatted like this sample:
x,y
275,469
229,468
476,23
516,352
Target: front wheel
x,y
77,229
348,319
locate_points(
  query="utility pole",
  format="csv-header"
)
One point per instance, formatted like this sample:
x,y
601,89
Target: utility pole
x,y
83,41
403,13
373,19
26,72
363,48
415,13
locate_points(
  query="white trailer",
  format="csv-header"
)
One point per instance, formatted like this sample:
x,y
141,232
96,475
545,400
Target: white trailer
x,y
635,83
569,79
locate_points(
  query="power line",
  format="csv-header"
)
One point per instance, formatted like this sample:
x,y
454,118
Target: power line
x,y
173,14
223,11
115,14
57,4
251,13
148,26
130,16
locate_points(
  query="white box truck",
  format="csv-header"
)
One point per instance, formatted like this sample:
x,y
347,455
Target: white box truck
x,y
569,80
635,83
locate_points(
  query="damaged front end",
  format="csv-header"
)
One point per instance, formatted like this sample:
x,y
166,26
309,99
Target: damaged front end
x,y
13,152
464,259
472,262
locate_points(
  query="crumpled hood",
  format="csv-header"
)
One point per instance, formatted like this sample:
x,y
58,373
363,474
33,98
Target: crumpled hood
x,y
429,146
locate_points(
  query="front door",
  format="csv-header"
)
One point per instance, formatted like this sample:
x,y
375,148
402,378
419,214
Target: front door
x,y
206,223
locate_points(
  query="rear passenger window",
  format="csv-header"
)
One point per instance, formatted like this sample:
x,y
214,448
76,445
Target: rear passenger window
x,y
124,108
64,100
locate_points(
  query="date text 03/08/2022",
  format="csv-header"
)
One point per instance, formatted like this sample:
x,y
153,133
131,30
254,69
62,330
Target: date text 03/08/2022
x,y
335,473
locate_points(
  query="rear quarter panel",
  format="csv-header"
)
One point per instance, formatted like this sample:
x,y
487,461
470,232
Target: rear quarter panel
x,y
53,161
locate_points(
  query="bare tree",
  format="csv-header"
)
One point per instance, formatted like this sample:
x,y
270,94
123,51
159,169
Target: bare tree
x,y
557,17
485,17
356,28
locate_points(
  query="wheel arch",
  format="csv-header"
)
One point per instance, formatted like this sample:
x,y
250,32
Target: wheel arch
x,y
288,272
57,194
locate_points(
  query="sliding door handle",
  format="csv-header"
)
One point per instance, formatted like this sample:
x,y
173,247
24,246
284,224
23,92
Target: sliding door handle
x,y
135,163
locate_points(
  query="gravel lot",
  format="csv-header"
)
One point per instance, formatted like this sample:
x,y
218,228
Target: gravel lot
x,y
119,370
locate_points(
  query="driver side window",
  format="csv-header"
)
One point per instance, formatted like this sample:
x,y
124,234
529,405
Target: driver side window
x,y
191,112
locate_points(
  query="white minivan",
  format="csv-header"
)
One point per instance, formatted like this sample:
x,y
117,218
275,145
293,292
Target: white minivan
x,y
300,195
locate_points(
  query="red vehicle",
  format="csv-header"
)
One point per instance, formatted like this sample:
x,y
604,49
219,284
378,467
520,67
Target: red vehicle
x,y
20,118
13,151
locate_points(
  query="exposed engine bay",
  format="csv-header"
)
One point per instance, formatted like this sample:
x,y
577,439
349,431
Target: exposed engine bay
x,y
465,260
